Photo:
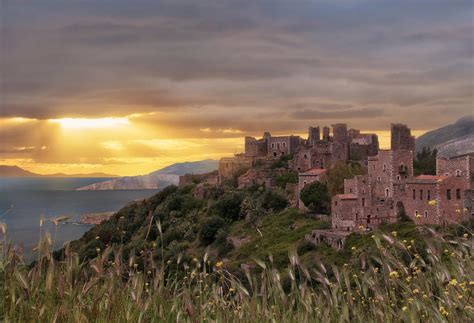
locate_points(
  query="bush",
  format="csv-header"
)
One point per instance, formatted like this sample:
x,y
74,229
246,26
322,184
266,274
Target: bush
x,y
228,206
315,196
282,162
209,229
275,201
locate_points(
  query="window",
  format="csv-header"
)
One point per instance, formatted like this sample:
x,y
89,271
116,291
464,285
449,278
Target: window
x,y
304,183
458,172
278,145
378,179
425,214
421,194
398,177
416,214
373,167
448,194
284,144
458,193
363,191
384,167
429,195
386,192
350,190
363,201
273,145
306,156
414,194
335,203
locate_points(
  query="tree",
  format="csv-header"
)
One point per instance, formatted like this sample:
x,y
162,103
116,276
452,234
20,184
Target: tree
x,y
425,162
315,196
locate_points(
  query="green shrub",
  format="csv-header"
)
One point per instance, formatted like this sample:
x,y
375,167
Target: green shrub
x,y
209,229
274,201
315,196
228,206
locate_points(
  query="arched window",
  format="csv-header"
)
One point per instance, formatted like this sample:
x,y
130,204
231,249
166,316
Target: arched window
x,y
425,214
387,191
458,172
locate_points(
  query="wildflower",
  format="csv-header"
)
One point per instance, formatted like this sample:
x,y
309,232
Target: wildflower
x,y
404,308
97,238
376,269
394,274
195,260
471,283
416,291
443,311
453,282
465,235
149,272
394,233
353,248
219,264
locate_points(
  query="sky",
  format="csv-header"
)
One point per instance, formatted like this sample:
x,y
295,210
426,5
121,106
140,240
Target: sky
x,y
127,87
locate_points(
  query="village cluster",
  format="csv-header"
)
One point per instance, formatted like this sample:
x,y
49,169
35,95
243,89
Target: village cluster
x,y
388,190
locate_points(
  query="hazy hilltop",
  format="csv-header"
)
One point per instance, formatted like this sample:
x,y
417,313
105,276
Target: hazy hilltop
x,y
451,140
157,179
15,171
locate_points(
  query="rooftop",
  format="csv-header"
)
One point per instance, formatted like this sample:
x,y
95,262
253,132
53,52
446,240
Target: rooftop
x,y
346,196
315,171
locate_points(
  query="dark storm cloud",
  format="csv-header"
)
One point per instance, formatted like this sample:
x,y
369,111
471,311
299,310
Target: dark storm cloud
x,y
375,59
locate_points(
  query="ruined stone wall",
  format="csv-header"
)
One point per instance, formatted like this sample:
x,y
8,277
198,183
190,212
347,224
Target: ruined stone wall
x,y
284,145
208,178
228,166
255,147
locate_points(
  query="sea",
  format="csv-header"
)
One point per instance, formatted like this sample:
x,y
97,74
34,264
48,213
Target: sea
x,y
24,201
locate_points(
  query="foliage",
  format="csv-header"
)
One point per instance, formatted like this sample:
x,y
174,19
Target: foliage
x,y
335,176
425,162
315,196
274,201
209,229
291,177
228,206
282,162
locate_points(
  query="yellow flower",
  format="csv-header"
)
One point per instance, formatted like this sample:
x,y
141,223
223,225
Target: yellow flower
x,y
465,235
394,233
394,274
404,308
443,311
416,291
453,282
353,248
471,283
219,264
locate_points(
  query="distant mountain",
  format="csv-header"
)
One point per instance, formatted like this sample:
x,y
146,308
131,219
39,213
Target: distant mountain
x,y
157,179
89,175
451,140
15,171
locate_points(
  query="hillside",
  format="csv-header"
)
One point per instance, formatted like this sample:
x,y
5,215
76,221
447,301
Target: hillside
x,y
15,171
157,179
451,140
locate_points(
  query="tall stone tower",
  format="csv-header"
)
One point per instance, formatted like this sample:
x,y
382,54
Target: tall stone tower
x,y
401,138
326,133
313,135
339,131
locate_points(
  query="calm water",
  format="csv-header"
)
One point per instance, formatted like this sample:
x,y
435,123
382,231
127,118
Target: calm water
x,y
24,200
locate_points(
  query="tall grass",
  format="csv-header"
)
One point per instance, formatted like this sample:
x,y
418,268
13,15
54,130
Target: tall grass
x,y
394,284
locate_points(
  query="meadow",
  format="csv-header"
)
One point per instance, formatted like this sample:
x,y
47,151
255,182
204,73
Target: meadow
x,y
396,283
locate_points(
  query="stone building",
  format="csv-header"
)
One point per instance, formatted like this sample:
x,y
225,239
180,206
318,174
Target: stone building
x,y
401,138
390,190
